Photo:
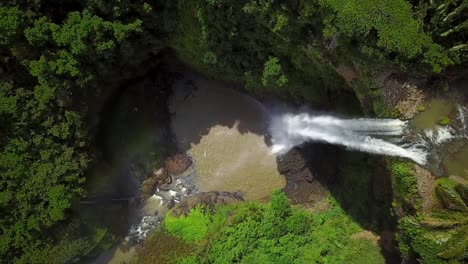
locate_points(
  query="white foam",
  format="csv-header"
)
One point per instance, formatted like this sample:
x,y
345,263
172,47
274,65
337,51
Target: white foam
x,y
359,134
461,116
439,134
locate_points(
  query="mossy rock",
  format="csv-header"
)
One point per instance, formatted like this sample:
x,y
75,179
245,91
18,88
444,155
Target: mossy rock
x,y
445,121
446,191
421,239
462,190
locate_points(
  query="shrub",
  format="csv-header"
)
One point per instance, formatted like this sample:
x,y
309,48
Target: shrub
x,y
278,233
197,224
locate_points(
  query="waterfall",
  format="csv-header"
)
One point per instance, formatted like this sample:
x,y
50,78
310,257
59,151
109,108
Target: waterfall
x,y
363,134
461,116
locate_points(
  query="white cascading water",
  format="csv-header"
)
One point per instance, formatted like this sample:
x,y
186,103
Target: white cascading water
x,y
461,116
361,134
439,134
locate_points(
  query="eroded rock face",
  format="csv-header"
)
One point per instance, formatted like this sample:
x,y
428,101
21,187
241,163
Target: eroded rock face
x,y
175,165
347,72
426,183
178,163
207,199
403,96
302,184
148,186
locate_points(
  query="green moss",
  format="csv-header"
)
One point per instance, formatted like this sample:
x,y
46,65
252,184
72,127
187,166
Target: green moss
x,y
416,241
381,110
405,185
431,240
445,121
446,190
420,108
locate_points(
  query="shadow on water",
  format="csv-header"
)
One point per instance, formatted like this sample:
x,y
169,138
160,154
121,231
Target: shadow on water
x,y
202,104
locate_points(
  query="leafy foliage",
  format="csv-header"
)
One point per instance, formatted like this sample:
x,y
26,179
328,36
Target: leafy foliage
x,y
195,225
59,61
53,61
278,233
445,121
272,74
395,28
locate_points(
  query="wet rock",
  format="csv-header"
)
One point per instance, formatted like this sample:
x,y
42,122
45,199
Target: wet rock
x,y
178,163
171,204
301,185
403,96
207,199
149,185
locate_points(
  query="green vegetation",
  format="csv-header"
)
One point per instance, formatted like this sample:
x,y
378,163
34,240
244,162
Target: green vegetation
x,y
396,31
405,185
196,225
272,74
442,235
275,233
160,248
445,121
60,61
56,61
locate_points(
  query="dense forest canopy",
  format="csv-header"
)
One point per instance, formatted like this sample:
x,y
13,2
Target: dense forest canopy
x,y
60,59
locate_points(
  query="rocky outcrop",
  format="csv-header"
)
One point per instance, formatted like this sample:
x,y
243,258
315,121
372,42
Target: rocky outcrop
x,y
207,199
302,187
403,96
425,183
148,186
347,72
175,165
450,198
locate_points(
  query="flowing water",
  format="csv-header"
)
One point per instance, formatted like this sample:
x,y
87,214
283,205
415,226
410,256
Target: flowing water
x,y
435,110
420,140
363,134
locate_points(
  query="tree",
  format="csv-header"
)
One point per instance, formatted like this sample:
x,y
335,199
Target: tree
x,y
272,74
396,29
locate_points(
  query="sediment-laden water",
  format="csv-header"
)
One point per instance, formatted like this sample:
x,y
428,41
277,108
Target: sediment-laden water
x,y
225,133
